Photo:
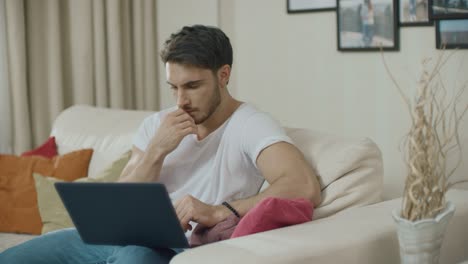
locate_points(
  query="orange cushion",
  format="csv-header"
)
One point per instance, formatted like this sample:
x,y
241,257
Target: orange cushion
x,y
19,212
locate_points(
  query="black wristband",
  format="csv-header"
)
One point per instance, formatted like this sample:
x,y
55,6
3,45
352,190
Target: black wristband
x,y
232,209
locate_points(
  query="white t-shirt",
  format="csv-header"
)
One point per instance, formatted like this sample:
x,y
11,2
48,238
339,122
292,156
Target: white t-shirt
x,y
222,166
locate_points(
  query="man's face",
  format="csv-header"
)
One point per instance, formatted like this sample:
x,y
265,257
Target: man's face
x,y
196,90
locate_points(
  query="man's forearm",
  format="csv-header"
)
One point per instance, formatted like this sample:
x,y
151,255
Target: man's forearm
x,y
147,169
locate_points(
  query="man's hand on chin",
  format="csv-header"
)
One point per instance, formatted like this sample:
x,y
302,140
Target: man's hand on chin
x,y
190,208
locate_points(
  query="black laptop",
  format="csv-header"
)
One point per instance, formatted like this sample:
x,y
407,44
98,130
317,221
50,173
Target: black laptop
x,y
123,214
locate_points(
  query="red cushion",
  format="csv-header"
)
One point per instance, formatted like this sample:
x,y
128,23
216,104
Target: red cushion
x,y
47,150
272,213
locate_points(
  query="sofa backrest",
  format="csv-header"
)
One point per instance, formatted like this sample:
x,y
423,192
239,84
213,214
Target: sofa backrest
x,y
108,131
350,170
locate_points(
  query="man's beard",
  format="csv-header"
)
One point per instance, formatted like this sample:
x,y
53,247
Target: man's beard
x,y
214,103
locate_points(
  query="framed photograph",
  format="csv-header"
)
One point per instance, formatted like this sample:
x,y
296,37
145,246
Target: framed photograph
x,y
414,13
301,6
453,34
367,25
448,9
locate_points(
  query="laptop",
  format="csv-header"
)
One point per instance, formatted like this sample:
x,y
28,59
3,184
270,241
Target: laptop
x,y
123,214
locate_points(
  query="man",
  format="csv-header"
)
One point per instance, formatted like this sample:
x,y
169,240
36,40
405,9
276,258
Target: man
x,y
208,150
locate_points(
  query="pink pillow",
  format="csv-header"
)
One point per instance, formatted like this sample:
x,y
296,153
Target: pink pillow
x,y
272,213
47,150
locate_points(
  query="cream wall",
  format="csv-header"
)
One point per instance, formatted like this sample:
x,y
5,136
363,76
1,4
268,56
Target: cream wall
x,y
288,65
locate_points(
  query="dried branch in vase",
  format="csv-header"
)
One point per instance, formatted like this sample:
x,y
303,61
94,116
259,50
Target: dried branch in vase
x,y
433,135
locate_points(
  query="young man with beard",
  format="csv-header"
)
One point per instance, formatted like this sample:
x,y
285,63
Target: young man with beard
x,y
209,149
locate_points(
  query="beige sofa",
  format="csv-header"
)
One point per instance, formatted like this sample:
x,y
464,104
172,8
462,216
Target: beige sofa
x,y
352,225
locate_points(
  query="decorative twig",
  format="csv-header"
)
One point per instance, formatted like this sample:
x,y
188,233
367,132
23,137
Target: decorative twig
x,y
433,135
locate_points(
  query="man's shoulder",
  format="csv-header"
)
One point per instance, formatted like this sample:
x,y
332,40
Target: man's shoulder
x,y
248,115
246,110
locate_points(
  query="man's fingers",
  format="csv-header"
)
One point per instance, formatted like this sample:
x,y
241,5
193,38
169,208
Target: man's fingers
x,y
180,113
185,124
186,222
177,112
185,212
184,218
189,130
183,117
177,208
180,208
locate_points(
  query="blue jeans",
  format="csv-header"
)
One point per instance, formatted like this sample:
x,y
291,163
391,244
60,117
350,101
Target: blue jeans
x,y
367,34
66,247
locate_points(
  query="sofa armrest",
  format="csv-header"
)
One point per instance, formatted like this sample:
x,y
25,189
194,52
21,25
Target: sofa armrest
x,y
358,235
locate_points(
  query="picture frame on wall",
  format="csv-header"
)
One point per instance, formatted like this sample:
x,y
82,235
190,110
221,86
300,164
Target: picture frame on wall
x,y
414,13
302,6
452,34
367,25
448,9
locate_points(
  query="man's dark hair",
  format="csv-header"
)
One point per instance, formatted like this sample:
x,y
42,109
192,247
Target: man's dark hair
x,y
201,46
